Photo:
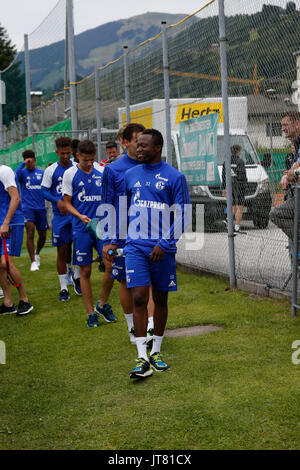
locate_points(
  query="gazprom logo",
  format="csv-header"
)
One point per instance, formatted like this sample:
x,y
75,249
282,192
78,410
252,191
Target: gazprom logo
x,y
2,353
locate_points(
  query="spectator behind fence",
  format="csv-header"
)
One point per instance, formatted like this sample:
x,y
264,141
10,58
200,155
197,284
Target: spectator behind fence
x,y
239,180
283,214
111,153
290,127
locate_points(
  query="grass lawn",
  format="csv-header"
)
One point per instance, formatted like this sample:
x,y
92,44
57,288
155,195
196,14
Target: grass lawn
x,y
67,387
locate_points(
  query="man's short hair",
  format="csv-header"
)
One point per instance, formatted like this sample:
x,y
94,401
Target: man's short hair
x,y
235,149
111,144
293,115
62,142
132,128
28,154
156,136
120,133
74,145
86,147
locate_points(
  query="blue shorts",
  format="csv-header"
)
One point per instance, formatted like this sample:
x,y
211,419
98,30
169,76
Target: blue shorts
x,y
61,230
37,216
140,271
84,242
118,271
14,242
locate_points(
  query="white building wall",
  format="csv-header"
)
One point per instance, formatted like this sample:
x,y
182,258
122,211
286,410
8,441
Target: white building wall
x,y
258,135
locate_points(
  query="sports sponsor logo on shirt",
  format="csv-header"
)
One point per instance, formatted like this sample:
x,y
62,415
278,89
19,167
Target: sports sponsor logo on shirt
x,y
158,177
59,186
82,197
137,185
148,204
30,186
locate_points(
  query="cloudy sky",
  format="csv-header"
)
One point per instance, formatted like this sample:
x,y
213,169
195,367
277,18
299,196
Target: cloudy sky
x,y
19,17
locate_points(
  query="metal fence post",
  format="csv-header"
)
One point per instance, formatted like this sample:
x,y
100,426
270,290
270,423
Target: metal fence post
x,y
167,91
127,84
56,108
223,56
21,127
4,136
295,251
42,115
72,66
13,132
27,79
98,114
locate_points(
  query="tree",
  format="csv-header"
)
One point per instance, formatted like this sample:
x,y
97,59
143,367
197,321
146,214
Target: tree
x,y
13,78
290,8
7,50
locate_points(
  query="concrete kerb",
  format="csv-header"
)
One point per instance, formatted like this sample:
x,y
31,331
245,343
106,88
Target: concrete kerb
x,y
247,286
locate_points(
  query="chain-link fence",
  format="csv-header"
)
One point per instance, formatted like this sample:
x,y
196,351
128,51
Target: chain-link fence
x,y
262,58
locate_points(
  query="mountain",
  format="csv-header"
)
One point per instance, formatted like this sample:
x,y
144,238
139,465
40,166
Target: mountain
x,y
96,46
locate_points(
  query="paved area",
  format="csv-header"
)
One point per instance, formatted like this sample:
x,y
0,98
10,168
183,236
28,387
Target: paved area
x,y
192,331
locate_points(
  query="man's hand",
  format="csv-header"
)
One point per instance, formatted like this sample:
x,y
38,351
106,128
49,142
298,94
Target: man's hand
x,y
224,193
4,230
283,182
106,249
85,219
157,254
62,207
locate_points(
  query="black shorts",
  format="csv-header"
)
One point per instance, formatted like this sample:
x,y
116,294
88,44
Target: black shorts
x,y
238,194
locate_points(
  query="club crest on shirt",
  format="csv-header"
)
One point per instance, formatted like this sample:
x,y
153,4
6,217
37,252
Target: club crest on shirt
x,y
160,185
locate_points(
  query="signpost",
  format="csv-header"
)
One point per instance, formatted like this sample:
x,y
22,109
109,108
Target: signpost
x,y
198,150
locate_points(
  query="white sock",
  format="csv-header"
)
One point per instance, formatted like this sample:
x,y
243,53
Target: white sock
x,y
237,227
63,281
141,344
150,323
77,272
129,319
157,340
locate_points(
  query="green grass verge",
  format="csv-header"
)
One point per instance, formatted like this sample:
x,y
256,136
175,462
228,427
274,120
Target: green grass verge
x,y
67,387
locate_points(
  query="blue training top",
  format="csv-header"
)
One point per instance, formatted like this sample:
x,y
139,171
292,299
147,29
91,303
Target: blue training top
x,y
30,184
52,184
113,186
85,189
152,189
7,179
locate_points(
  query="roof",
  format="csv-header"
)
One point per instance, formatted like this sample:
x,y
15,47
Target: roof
x,y
260,105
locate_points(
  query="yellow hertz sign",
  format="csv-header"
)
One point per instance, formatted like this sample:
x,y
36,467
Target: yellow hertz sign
x,y
142,116
194,110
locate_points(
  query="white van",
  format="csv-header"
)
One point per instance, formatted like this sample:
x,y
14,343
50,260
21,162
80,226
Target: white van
x,y
258,196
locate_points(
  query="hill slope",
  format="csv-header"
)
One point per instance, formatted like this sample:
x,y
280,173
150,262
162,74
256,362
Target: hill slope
x,y
95,47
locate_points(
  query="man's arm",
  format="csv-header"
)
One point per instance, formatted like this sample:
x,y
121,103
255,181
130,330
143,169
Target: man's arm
x,y
71,209
13,205
181,199
19,172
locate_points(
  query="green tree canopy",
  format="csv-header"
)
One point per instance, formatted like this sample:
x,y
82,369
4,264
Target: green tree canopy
x,y
7,50
13,78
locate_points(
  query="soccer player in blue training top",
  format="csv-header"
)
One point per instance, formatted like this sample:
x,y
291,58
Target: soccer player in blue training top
x,y
12,229
33,205
62,220
82,196
153,189
112,188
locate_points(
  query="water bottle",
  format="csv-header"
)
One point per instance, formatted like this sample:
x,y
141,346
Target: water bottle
x,y
118,252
